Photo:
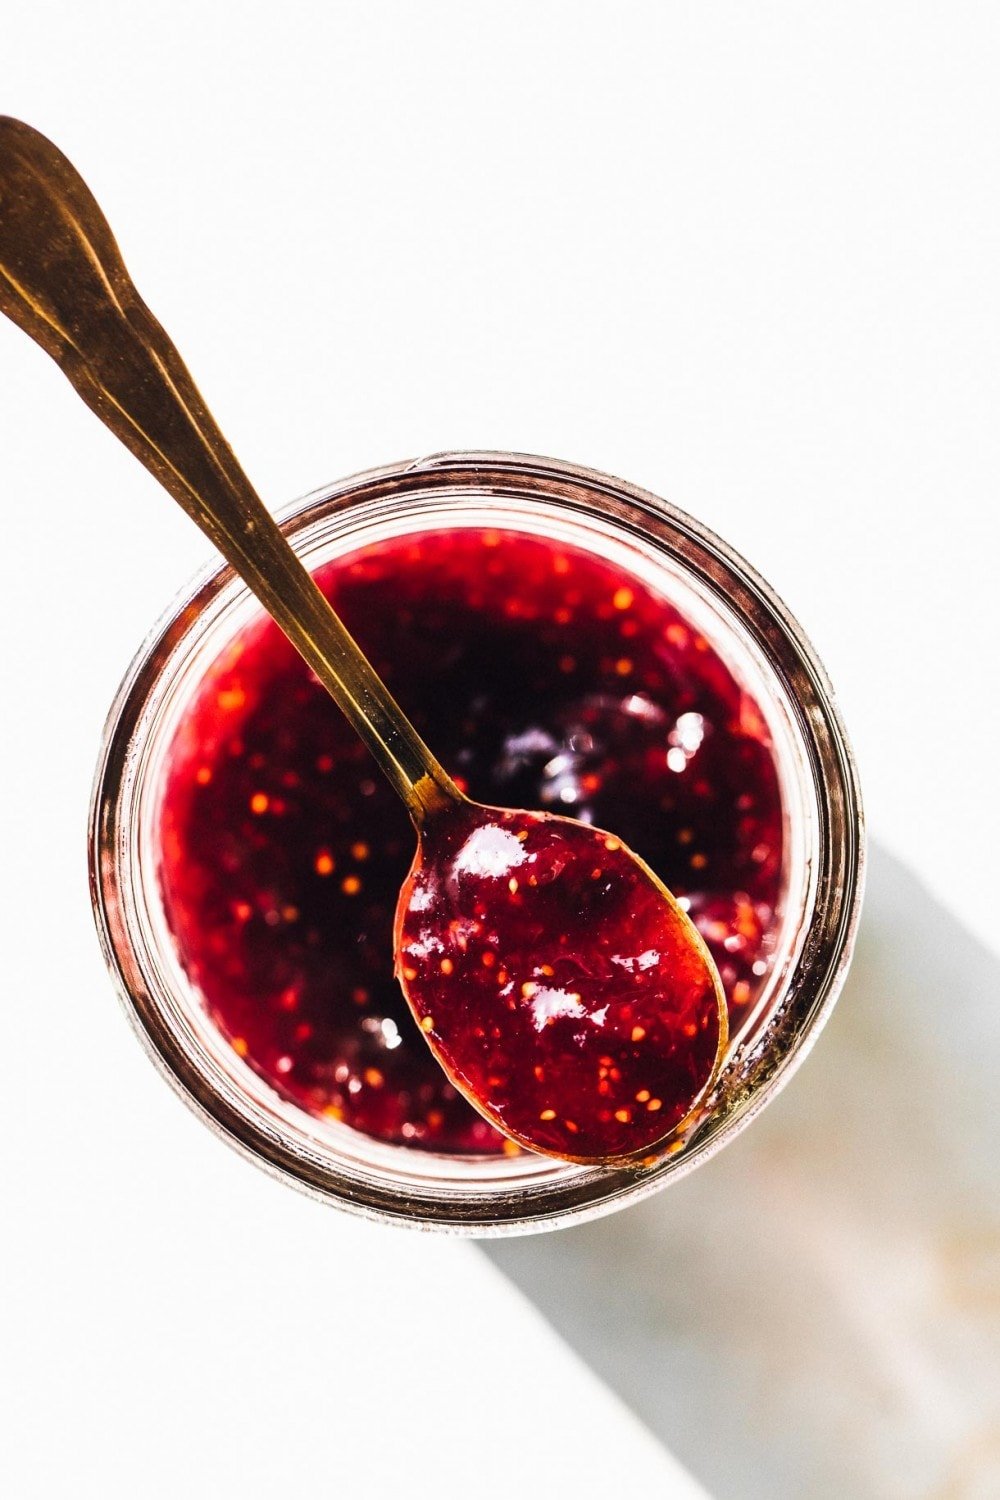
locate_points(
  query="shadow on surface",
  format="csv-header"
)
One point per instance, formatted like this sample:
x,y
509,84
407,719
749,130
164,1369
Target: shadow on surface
x,y
816,1312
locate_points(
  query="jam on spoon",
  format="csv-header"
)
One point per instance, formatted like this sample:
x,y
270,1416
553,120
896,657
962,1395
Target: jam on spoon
x,y
661,1010
557,982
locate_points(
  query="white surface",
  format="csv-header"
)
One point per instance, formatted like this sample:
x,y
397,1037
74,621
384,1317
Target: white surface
x,y
745,255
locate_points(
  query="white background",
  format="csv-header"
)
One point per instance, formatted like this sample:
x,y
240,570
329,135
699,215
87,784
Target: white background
x,y
744,255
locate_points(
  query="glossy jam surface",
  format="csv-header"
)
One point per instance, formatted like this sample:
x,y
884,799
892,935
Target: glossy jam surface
x,y
544,678
561,987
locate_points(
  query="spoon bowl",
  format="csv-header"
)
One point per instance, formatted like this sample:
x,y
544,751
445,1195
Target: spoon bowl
x,y
559,983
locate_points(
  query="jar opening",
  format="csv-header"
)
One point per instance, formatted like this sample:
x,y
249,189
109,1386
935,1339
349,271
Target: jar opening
x,y
663,552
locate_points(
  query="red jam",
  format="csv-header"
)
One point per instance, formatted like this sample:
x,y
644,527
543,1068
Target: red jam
x,y
542,677
563,990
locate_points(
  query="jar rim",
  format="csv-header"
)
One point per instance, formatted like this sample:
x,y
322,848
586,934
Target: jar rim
x,y
553,1194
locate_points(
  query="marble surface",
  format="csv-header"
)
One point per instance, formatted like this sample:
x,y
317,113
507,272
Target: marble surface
x,y
816,1311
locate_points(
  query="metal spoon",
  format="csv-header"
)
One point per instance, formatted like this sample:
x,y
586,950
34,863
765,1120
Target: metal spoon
x,y
554,976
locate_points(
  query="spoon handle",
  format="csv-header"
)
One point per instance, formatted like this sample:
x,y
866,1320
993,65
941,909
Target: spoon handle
x,y
62,280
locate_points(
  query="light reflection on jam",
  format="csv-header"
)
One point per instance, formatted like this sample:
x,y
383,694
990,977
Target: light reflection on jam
x,y
542,677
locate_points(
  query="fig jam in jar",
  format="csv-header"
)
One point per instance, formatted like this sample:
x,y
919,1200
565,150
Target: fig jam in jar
x,y
563,642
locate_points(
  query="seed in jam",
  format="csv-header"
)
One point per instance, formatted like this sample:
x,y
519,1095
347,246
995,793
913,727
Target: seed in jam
x,y
574,1003
503,648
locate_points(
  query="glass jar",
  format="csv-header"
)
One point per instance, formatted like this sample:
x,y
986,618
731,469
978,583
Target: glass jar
x,y
762,646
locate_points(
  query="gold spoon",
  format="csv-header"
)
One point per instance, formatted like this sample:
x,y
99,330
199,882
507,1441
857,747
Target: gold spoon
x,y
522,940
